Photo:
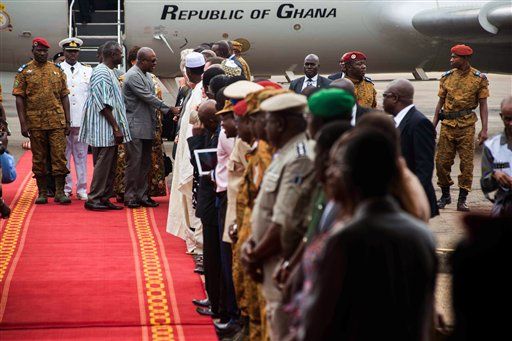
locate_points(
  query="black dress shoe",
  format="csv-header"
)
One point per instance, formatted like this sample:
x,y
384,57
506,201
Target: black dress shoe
x,y
95,207
227,329
149,203
202,303
132,203
111,206
204,311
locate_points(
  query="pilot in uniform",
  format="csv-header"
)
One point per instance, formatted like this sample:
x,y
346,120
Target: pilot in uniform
x,y
42,87
354,64
460,92
276,203
78,77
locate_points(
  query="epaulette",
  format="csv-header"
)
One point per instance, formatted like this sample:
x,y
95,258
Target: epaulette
x,y
301,149
447,73
86,65
58,65
22,68
368,79
479,74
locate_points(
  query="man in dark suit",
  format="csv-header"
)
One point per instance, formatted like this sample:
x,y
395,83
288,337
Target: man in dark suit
x,y
417,135
311,77
340,74
377,273
347,85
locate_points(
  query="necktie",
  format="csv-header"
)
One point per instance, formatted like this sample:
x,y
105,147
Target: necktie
x,y
72,69
309,82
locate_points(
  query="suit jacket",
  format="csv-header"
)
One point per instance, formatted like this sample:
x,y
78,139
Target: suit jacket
x,y
206,193
141,103
296,84
418,143
336,75
373,280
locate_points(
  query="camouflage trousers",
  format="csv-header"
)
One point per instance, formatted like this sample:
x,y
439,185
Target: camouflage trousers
x,y
51,141
454,140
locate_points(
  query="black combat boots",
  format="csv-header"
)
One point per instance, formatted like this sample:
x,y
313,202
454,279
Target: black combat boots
x,y
461,203
445,199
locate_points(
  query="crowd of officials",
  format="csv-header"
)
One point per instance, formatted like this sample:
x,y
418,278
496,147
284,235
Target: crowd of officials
x,y
312,223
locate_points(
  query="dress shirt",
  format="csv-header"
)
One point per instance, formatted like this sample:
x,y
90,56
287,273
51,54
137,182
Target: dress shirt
x,y
224,149
78,77
400,116
313,81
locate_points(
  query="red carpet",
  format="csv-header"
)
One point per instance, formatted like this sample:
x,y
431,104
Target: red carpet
x,y
68,274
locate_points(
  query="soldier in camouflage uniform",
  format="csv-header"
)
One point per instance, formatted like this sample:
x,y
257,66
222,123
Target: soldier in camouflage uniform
x,y
43,109
354,64
461,90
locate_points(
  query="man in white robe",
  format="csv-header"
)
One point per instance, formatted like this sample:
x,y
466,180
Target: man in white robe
x,y
181,220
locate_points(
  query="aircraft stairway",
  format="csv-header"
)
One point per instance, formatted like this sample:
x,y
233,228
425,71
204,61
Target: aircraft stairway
x,y
103,27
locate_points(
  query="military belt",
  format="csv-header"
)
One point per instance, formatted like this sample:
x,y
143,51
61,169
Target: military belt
x,y
455,114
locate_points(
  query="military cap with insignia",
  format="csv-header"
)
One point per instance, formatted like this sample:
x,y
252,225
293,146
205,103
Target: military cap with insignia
x,y
329,103
228,107
254,99
353,56
284,101
241,89
40,41
71,44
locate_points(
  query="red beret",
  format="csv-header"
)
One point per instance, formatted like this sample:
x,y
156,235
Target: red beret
x,y
40,41
240,108
353,56
462,50
269,84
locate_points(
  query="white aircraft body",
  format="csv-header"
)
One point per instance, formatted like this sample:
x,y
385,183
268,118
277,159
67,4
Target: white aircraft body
x,y
396,36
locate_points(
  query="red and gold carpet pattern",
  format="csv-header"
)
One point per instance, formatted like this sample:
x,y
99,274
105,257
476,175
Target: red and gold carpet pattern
x,y
71,274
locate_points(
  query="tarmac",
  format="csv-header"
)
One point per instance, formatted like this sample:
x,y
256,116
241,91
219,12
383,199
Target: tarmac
x,y
447,228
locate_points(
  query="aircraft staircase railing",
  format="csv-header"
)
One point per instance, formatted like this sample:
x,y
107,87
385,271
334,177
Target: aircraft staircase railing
x,y
105,25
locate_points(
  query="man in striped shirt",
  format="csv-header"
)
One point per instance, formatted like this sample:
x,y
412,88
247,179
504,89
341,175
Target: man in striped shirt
x,y
104,127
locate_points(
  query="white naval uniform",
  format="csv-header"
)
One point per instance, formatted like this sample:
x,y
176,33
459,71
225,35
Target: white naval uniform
x,y
78,85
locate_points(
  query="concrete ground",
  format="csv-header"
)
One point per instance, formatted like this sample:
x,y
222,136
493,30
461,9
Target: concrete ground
x,y
446,227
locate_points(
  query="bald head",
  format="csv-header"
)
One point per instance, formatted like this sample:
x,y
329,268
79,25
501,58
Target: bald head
x,y
506,102
311,64
344,84
206,113
146,59
312,58
403,89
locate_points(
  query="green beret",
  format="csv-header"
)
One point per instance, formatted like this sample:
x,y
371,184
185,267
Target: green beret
x,y
331,103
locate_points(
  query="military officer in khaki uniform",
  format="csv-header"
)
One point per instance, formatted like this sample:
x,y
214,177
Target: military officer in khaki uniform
x,y
354,64
274,213
43,110
461,90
